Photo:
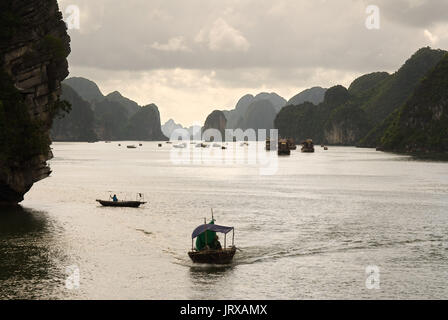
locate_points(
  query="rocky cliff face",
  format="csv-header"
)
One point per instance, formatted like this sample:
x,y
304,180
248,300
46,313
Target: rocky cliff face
x,y
33,48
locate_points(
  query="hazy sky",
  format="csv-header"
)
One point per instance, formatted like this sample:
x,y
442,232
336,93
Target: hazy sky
x,y
193,56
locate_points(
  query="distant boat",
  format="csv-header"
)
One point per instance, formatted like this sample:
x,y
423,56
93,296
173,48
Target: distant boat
x,y
131,146
283,148
307,146
140,144
107,141
216,145
268,144
180,145
160,145
124,203
325,148
202,145
129,204
291,144
168,142
209,250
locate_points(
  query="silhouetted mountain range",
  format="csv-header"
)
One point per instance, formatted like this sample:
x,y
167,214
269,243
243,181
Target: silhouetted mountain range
x,y
94,116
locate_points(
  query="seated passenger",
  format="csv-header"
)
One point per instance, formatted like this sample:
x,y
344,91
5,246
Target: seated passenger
x,y
216,245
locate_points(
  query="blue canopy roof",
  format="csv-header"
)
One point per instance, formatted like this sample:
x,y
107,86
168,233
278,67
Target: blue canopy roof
x,y
211,227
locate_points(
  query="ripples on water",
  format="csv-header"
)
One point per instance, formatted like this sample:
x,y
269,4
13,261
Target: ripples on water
x,y
307,232
30,258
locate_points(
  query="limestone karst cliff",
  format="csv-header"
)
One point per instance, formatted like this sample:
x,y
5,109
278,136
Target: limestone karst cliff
x,y
34,45
216,120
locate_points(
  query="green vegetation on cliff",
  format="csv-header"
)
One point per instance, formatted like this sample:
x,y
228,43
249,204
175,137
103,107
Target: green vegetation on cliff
x,y
360,115
307,120
421,125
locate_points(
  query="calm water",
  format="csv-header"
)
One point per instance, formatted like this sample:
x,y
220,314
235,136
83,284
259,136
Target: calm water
x,y
307,232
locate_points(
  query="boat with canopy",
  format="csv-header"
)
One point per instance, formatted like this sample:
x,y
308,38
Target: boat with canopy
x,y
208,249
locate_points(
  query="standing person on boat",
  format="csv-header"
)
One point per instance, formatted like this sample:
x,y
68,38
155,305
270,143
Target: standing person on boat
x,y
114,198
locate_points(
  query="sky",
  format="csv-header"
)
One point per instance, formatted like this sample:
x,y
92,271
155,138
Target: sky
x,y
191,57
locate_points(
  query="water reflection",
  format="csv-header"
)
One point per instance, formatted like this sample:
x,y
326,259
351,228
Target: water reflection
x,y
28,255
212,279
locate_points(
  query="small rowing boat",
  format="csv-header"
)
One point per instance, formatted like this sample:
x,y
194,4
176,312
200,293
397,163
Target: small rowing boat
x,y
129,204
114,202
208,249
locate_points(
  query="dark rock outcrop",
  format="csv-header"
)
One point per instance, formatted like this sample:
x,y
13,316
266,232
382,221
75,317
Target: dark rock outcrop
x,y
34,45
131,106
78,124
115,117
145,125
87,89
259,115
216,120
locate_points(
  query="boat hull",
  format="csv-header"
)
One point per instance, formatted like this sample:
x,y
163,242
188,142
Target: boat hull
x,y
224,256
129,204
307,150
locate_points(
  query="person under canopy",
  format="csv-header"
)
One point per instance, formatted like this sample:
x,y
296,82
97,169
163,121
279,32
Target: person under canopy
x,y
206,239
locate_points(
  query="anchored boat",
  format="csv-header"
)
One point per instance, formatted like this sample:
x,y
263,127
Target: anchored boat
x,y
308,146
283,148
208,248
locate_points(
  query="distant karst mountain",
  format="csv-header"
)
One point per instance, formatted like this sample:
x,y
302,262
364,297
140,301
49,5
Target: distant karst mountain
x,y
169,127
314,95
86,89
114,117
131,106
238,117
79,123
362,114
395,90
216,120
145,125
260,114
